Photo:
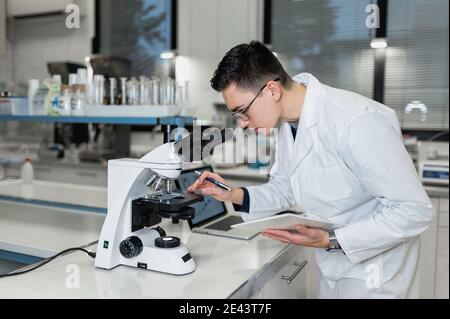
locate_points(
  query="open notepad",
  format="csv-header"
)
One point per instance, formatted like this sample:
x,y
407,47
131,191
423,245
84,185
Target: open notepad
x,y
288,221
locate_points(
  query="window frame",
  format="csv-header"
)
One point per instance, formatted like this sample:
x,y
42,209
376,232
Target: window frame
x,y
378,93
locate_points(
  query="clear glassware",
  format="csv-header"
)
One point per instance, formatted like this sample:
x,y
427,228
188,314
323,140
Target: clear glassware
x,y
65,101
171,91
150,91
162,92
112,91
78,101
167,91
142,90
99,89
133,91
183,99
156,91
123,90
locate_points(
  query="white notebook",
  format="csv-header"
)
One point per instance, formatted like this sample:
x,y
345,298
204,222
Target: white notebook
x,y
287,221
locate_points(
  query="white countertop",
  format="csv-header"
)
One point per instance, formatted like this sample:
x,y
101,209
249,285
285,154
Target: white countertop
x,y
54,192
42,231
223,264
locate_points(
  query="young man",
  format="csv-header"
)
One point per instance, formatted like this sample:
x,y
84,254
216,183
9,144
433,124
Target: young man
x,y
339,155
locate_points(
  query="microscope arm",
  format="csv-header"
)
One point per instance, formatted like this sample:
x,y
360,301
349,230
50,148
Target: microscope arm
x,y
163,161
166,160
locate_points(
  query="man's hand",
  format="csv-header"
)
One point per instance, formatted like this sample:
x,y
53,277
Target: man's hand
x,y
304,236
236,195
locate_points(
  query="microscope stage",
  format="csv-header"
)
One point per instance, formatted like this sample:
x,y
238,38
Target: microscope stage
x,y
171,202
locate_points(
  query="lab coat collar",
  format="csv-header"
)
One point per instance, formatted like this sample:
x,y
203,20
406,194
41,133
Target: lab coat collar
x,y
308,118
302,146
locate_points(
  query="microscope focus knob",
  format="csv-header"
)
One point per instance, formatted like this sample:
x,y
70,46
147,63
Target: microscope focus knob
x,y
131,247
161,231
167,242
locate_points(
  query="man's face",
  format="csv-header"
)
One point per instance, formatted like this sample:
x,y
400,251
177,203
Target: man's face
x,y
263,114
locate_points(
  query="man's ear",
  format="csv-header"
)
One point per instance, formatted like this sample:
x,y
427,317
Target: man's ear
x,y
275,90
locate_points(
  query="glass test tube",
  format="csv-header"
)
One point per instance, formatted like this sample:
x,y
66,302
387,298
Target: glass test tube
x,y
112,90
123,90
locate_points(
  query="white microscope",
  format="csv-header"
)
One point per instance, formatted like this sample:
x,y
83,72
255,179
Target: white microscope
x,y
127,237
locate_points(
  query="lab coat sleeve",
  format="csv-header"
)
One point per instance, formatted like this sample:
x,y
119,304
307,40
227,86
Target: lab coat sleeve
x,y
272,197
374,151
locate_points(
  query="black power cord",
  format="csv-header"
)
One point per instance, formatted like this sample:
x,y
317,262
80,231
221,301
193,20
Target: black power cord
x,y
47,260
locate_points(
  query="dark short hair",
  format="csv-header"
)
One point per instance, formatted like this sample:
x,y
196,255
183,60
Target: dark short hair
x,y
249,66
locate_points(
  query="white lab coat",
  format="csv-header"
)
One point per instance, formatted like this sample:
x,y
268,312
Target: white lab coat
x,y
348,164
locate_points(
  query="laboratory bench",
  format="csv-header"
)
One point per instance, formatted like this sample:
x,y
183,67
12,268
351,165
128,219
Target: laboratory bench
x,y
436,191
35,227
226,268
40,231
40,220
58,194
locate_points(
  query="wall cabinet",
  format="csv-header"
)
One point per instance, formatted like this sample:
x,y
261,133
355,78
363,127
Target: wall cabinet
x,y
2,28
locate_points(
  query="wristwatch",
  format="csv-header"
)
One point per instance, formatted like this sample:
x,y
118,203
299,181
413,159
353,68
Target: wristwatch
x,y
334,245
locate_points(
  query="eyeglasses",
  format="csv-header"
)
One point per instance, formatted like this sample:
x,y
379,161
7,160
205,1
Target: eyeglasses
x,y
242,113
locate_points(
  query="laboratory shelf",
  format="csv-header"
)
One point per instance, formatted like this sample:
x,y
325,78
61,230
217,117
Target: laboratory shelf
x,y
170,120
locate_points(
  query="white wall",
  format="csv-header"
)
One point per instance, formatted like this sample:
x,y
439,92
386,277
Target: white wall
x,y
2,27
31,43
207,29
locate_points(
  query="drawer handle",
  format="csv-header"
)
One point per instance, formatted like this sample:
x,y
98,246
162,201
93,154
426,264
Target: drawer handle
x,y
290,278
